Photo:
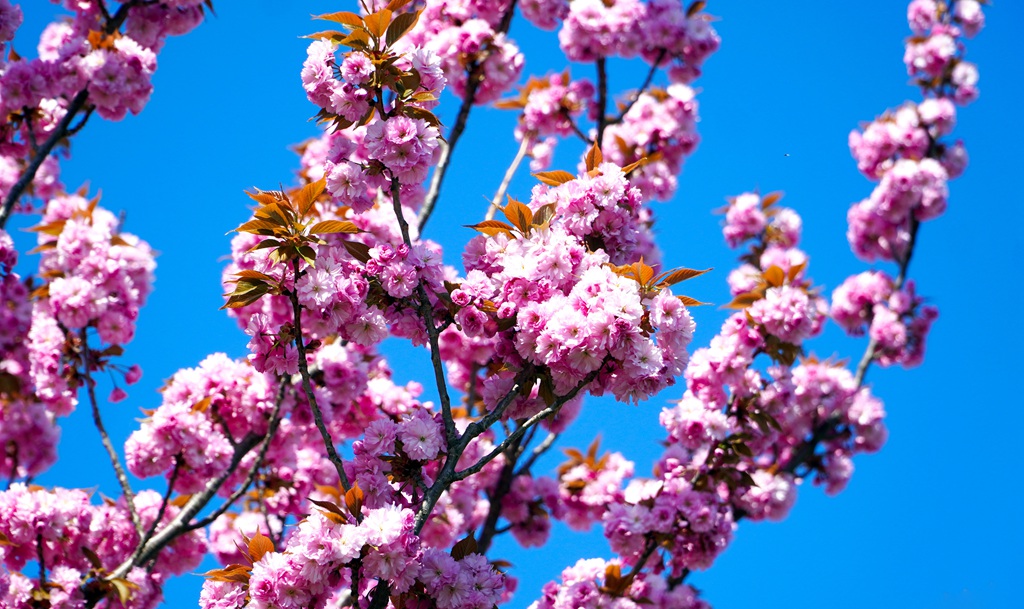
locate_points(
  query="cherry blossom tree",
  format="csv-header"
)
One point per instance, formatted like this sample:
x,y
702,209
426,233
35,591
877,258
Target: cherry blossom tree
x,y
310,474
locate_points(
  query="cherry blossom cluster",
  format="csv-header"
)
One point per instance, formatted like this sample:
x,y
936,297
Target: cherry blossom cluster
x,y
934,55
84,63
595,584
469,38
205,410
903,149
895,318
660,125
98,278
742,437
330,554
660,29
573,315
550,106
605,211
27,424
74,542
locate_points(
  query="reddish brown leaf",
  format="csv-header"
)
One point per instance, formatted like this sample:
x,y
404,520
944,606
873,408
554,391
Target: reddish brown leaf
x,y
307,195
691,302
770,199
328,227
678,275
400,27
464,548
259,545
594,157
344,17
774,276
377,23
554,178
519,215
354,500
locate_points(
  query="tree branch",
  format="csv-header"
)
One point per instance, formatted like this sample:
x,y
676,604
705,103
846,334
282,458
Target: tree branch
x,y
275,421
318,417
643,88
426,314
59,132
509,174
473,80
122,477
602,99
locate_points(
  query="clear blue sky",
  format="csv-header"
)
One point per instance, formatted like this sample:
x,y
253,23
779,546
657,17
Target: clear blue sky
x,y
931,521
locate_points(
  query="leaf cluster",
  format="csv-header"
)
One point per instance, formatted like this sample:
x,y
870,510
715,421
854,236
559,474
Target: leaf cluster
x,y
287,221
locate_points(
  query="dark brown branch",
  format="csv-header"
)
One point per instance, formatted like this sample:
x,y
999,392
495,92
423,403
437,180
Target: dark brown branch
x,y
473,80
602,99
59,132
318,417
122,476
427,317
275,421
635,97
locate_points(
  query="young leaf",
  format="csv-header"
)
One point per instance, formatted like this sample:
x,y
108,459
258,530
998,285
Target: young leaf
x,y
343,17
259,545
519,215
492,227
628,169
359,251
464,548
677,276
544,214
308,194
690,302
770,199
695,8
395,5
252,274
594,157
354,500
378,22
328,227
774,276
400,27
124,588
554,178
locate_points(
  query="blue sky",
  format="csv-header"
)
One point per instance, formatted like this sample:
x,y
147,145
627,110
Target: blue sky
x,y
929,522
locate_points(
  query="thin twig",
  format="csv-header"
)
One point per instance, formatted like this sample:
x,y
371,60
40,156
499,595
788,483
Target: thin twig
x,y
59,132
635,97
473,80
192,507
275,421
538,450
602,99
163,504
870,350
427,317
122,477
509,174
448,147
535,419
318,417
